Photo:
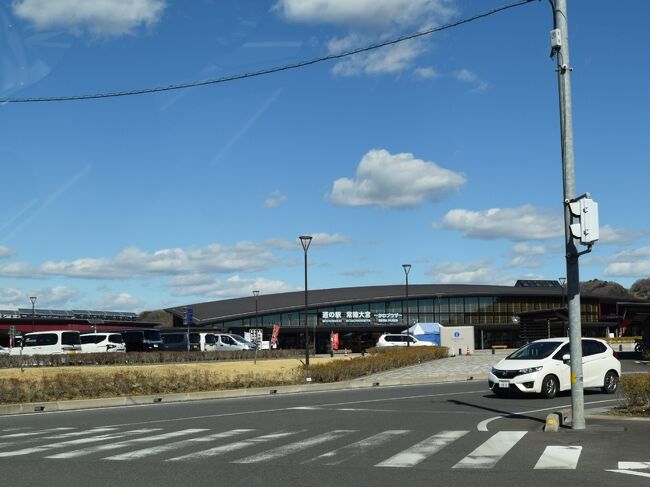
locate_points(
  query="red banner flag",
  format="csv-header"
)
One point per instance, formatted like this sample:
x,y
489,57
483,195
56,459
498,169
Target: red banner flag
x,y
274,336
335,341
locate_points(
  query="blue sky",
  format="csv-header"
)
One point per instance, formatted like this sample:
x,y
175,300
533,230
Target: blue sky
x,y
441,152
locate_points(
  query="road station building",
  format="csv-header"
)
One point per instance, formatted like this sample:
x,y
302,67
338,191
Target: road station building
x,y
501,315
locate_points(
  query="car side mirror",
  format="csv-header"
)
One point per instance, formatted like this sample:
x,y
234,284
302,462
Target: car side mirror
x,y
566,359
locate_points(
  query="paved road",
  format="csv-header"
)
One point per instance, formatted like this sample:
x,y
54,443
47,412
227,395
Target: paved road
x,y
385,436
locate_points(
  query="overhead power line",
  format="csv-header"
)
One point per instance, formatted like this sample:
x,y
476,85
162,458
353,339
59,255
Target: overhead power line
x,y
266,71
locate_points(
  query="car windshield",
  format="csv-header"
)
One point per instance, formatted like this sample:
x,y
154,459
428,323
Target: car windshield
x,y
534,351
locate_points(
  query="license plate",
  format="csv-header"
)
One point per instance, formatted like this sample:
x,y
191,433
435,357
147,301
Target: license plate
x,y
504,383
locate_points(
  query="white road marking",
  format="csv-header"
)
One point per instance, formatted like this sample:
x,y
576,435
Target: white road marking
x,y
81,441
35,433
339,455
81,433
630,472
420,451
220,450
559,458
285,450
633,465
122,444
147,452
491,451
482,426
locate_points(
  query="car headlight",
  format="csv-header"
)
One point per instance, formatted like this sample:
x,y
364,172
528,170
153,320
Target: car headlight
x,y
494,371
529,370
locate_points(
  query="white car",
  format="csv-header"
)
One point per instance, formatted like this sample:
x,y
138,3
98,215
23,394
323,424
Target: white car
x,y
102,342
543,367
3,350
401,340
54,342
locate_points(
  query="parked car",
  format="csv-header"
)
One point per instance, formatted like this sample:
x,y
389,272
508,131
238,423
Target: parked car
x,y
232,342
543,367
145,340
402,340
49,343
177,341
102,342
3,350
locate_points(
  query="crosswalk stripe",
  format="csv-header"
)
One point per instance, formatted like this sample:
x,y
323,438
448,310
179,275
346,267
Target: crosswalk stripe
x,y
220,450
420,451
559,458
285,450
492,450
80,441
122,444
633,465
35,433
82,433
339,455
147,452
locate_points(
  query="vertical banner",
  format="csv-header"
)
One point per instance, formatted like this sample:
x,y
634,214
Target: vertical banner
x,y
274,336
335,341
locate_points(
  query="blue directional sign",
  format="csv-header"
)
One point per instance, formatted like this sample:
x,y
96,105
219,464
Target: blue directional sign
x,y
189,316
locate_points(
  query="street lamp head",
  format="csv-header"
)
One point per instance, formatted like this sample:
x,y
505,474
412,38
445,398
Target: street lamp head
x,y
256,293
407,268
305,241
33,300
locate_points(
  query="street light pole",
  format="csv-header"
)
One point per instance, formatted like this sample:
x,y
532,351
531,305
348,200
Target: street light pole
x,y
256,293
305,241
33,300
407,269
561,52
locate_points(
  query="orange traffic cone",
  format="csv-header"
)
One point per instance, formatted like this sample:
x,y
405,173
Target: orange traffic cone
x,y
468,353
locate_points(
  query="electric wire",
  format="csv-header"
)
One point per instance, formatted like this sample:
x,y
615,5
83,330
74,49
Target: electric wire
x,y
267,71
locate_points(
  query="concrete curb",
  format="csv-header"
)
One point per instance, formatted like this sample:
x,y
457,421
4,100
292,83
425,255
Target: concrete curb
x,y
225,394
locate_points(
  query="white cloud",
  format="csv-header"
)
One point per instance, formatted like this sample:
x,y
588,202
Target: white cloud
x,y
393,181
390,59
619,236
121,301
634,263
425,73
133,262
467,76
319,239
98,17
524,248
479,272
6,252
53,298
523,223
357,273
525,261
232,287
379,13
274,199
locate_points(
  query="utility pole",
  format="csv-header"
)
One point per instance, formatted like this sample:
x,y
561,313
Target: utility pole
x,y
560,43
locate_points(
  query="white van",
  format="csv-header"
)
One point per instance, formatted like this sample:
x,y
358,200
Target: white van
x,y
208,342
102,342
232,342
49,343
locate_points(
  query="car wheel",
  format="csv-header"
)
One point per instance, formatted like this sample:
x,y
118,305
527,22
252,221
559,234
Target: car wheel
x,y
550,387
610,383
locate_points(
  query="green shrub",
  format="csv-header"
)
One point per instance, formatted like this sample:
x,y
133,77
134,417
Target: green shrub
x,y
636,392
380,360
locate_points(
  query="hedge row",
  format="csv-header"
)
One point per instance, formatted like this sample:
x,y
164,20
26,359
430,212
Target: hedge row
x,y
380,360
77,385
138,358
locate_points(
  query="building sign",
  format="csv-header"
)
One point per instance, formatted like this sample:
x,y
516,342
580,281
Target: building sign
x,y
354,317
